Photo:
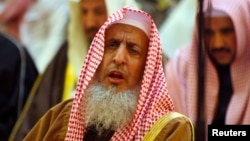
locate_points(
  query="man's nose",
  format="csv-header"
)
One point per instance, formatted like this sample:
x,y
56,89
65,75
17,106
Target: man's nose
x,y
120,55
91,20
218,41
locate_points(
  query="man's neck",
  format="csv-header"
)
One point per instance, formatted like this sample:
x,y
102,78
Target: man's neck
x,y
93,135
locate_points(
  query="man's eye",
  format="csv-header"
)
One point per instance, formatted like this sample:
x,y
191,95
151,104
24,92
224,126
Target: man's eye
x,y
113,44
134,51
208,33
227,30
84,12
100,11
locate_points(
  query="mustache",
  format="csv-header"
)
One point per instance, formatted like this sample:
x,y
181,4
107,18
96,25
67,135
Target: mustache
x,y
92,29
221,49
116,67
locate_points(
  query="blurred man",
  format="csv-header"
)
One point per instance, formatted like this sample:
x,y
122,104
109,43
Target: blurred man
x,y
58,82
17,75
226,75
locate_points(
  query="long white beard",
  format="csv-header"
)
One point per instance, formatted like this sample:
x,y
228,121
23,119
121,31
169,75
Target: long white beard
x,y
108,110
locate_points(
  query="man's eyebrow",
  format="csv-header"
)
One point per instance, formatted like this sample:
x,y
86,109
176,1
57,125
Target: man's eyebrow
x,y
113,39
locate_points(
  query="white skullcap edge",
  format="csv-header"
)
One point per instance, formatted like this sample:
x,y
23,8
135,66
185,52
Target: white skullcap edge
x,y
138,20
215,13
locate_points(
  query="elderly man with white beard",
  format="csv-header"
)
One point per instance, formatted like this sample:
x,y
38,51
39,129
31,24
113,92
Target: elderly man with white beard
x,y
122,92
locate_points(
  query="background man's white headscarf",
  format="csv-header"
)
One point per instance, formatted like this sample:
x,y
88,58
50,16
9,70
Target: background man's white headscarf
x,y
154,100
43,30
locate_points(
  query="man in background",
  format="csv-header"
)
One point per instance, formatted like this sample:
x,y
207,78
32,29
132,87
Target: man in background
x,y
226,56
17,75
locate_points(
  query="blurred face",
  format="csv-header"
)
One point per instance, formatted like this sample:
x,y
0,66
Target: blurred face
x,y
124,57
220,39
94,14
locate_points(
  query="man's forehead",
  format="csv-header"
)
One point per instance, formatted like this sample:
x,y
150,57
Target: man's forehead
x,y
125,27
88,3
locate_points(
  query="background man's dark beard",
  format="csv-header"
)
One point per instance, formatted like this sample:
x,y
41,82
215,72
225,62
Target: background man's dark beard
x,y
108,110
